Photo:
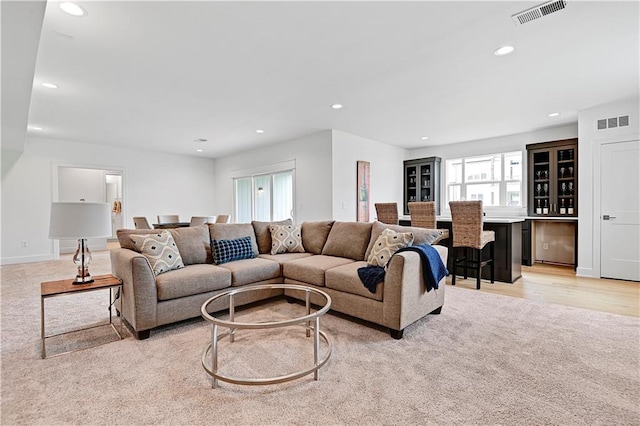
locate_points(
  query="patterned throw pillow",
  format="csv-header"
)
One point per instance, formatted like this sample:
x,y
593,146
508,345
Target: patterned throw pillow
x,y
387,244
286,239
228,250
161,251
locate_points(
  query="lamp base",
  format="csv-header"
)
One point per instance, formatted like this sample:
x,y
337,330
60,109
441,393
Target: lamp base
x,y
83,278
82,258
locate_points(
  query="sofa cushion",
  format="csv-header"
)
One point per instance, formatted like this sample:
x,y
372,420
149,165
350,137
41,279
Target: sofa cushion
x,y
286,239
420,235
345,278
160,250
250,271
193,279
284,257
124,236
263,234
387,243
348,239
312,269
314,235
232,231
193,243
224,251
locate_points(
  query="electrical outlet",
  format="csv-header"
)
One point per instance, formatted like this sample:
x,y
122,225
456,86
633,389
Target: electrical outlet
x,y
545,246
24,243
344,205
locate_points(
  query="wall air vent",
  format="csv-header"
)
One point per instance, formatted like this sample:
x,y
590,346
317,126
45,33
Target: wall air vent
x,y
613,122
539,11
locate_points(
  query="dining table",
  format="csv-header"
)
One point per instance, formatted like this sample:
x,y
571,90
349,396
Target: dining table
x,y
171,225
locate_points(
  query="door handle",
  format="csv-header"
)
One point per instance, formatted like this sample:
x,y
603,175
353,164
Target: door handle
x,y
607,217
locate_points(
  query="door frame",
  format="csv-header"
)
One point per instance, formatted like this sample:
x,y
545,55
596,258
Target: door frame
x,y
55,190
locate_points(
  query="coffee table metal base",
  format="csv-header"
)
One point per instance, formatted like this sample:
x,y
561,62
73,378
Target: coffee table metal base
x,y
310,321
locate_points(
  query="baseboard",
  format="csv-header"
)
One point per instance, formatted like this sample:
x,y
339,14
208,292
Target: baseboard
x,y
586,272
25,259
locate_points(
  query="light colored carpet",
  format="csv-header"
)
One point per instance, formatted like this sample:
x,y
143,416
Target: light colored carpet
x,y
485,360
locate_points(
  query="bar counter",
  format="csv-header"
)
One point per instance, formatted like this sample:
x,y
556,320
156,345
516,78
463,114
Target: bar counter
x,y
508,245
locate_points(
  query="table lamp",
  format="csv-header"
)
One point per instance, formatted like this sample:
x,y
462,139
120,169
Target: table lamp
x,y
79,221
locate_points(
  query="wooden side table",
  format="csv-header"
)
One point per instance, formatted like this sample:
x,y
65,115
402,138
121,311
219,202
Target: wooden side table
x,y
66,287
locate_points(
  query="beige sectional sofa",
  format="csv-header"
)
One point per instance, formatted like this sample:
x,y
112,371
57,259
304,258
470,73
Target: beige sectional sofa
x,y
333,253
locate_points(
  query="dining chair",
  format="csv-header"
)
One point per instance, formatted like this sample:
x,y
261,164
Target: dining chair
x,y
387,213
141,222
222,218
168,218
466,217
201,220
423,214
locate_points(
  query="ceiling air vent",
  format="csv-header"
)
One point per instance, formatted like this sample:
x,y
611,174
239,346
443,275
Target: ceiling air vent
x,y
539,11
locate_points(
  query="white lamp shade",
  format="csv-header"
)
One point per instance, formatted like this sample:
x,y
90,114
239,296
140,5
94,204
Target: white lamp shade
x,y
75,220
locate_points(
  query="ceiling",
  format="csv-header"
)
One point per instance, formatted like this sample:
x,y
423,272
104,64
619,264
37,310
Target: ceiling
x,y
158,75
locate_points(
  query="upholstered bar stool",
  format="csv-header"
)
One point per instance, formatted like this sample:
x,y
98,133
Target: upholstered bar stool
x,y
423,214
467,229
387,213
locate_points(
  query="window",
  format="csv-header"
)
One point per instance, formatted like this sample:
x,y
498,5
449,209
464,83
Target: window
x,y
265,197
496,179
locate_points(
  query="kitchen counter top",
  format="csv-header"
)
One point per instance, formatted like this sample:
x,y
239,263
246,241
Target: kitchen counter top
x,y
487,219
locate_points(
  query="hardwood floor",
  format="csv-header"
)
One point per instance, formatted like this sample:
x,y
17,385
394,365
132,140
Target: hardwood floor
x,y
559,284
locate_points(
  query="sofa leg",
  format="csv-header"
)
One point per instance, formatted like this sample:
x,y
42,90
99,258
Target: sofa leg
x,y
144,334
436,312
291,299
396,334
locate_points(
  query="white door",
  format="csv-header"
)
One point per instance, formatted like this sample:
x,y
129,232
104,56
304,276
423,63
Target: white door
x,y
620,209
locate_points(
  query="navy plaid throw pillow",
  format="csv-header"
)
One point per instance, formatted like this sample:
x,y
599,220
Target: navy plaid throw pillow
x,y
228,250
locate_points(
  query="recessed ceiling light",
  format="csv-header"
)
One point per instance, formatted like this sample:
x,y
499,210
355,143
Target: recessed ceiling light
x,y
50,85
554,114
424,138
259,131
336,106
199,150
504,50
37,128
73,9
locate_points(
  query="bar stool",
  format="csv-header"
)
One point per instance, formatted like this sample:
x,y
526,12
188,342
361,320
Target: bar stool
x,y
466,219
423,214
387,213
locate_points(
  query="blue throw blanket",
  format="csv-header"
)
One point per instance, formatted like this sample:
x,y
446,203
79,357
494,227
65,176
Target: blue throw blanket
x,y
370,276
433,269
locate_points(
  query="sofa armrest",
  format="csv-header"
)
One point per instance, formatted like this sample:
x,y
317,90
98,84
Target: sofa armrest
x,y
139,291
405,297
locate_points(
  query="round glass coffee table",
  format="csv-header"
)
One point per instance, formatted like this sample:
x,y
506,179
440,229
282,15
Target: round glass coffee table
x,y
310,321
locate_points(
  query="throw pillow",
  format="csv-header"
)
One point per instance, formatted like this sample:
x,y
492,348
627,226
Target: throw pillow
x,y
160,250
229,250
387,244
286,239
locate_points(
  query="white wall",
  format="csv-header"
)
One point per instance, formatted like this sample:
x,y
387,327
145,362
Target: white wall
x,y
508,143
313,179
385,173
154,183
589,145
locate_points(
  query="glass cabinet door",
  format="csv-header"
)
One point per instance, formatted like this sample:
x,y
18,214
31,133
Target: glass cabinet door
x,y
553,179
